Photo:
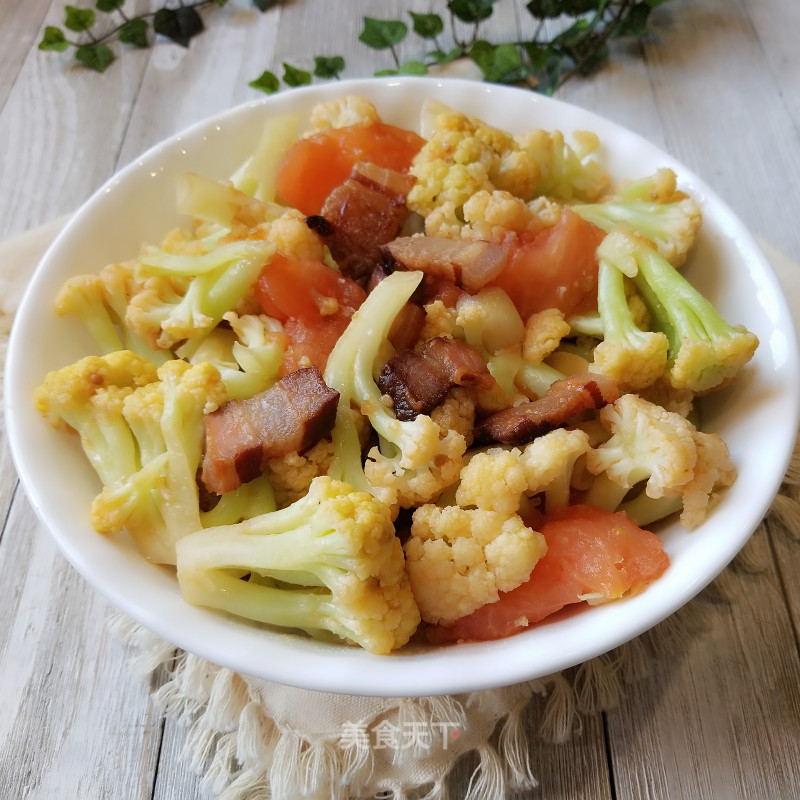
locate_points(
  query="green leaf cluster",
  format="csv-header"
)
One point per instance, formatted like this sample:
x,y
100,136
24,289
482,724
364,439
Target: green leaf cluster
x,y
572,37
97,28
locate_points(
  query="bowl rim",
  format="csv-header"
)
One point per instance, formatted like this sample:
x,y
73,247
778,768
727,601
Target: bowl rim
x,y
454,669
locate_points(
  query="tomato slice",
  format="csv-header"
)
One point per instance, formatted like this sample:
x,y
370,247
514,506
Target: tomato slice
x,y
316,164
315,303
556,269
590,552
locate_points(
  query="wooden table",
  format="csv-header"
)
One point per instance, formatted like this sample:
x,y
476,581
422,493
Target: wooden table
x,y
718,86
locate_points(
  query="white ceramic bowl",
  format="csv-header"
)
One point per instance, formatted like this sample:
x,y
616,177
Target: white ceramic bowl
x,y
757,416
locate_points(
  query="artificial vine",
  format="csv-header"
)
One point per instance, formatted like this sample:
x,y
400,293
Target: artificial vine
x,y
580,44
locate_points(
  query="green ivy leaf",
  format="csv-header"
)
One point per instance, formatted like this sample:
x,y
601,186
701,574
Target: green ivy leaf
x,y
499,63
538,55
53,39
78,19
471,10
382,73
328,66
442,57
413,68
292,76
577,7
266,82
634,21
181,24
381,34
544,9
427,26
135,31
108,6
95,56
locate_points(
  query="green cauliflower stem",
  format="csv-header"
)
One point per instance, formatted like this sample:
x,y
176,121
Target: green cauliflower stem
x,y
634,358
142,429
328,564
248,353
100,301
653,208
410,450
185,296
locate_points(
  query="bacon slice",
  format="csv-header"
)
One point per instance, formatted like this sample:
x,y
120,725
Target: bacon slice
x,y
417,381
242,435
366,211
560,403
469,264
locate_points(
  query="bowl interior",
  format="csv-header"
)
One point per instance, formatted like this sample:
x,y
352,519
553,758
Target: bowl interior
x,y
757,415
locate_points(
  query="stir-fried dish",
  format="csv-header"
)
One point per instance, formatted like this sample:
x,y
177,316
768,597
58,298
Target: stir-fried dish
x,y
387,384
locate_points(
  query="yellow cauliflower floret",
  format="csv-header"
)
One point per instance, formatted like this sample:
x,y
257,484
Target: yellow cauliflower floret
x,y
343,112
543,333
493,480
464,156
457,413
647,443
567,172
423,482
491,216
460,559
439,321
549,463
713,470
292,236
292,475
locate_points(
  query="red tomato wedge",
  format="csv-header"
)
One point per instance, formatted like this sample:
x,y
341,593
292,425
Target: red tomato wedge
x,y
556,269
318,163
589,552
315,303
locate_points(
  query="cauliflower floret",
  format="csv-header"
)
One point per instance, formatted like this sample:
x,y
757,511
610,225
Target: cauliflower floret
x,y
464,156
292,236
440,320
713,470
543,333
647,443
460,559
493,480
566,172
491,216
549,463
344,111
424,482
457,413
292,475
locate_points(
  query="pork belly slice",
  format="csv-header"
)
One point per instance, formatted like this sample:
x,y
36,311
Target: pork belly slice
x,y
417,381
562,402
242,435
468,264
363,213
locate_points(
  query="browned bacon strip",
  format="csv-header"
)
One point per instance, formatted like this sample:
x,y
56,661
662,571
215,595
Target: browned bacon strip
x,y
469,264
561,402
418,381
360,215
242,435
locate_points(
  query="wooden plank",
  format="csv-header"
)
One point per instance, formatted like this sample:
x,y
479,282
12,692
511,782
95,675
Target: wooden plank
x,y
23,24
722,111
73,722
63,140
720,713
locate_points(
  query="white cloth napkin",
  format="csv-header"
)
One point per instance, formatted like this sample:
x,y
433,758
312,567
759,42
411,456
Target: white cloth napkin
x,y
255,739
